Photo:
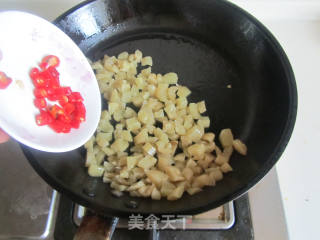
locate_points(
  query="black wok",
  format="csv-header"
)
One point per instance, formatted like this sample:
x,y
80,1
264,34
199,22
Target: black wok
x,y
210,44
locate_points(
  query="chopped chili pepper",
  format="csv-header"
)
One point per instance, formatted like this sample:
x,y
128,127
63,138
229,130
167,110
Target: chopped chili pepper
x,y
40,92
49,80
66,128
80,107
40,103
55,110
39,81
4,80
57,126
52,71
69,108
75,124
80,112
54,83
63,100
34,73
49,61
40,120
60,126
63,91
75,97
38,78
53,97
65,118
53,77
44,118
71,111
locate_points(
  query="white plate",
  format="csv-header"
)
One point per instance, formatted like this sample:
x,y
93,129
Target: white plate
x,y
24,40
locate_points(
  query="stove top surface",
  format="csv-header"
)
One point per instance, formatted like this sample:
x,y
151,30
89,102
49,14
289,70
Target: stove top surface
x,y
27,202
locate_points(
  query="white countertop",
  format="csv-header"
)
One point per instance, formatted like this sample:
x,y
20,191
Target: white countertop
x,y
296,24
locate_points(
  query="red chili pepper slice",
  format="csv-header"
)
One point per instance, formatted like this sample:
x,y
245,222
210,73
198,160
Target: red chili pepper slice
x,y
80,112
75,97
69,108
63,91
50,80
53,73
66,128
40,81
50,91
75,123
38,78
53,97
49,61
57,126
4,80
67,91
40,120
63,100
52,94
40,92
60,126
54,83
34,73
44,118
55,110
65,118
80,107
40,103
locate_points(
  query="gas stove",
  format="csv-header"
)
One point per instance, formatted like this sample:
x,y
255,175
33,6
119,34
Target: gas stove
x,y
30,209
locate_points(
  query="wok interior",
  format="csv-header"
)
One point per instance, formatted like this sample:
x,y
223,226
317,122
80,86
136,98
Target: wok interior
x,y
209,44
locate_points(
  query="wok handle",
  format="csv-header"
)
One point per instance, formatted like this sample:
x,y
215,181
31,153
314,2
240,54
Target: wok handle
x,y
96,227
